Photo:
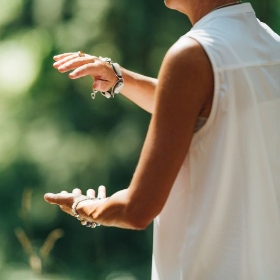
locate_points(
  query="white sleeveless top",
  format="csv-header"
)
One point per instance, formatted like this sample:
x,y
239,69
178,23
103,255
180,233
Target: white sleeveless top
x,y
222,218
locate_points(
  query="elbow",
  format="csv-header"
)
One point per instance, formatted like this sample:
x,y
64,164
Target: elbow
x,y
139,224
137,219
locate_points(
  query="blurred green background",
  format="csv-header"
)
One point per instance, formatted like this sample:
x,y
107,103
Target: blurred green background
x,y
53,137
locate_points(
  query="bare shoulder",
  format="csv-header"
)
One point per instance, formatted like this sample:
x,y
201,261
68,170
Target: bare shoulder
x,y
189,52
187,70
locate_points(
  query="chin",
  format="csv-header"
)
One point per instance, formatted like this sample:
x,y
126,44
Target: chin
x,y
172,4
175,5
168,4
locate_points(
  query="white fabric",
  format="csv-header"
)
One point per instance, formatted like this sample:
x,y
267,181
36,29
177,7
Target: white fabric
x,y
222,218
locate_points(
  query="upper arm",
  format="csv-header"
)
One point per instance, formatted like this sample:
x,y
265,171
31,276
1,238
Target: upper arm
x,y
185,83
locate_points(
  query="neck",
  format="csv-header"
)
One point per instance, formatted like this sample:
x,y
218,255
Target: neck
x,y
196,10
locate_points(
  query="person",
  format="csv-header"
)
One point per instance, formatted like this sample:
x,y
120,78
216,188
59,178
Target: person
x,y
209,171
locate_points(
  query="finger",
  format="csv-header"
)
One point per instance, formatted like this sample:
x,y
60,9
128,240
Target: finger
x,y
64,192
65,59
91,193
59,199
91,69
77,191
74,63
101,85
61,56
101,192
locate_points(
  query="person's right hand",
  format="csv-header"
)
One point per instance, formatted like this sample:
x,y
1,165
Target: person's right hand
x,y
101,71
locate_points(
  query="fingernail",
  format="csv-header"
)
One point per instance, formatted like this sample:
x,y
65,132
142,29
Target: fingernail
x,y
61,68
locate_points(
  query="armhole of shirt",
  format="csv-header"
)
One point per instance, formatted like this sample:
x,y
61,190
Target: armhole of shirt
x,y
198,135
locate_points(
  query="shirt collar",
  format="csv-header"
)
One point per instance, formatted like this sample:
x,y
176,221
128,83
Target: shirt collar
x,y
226,11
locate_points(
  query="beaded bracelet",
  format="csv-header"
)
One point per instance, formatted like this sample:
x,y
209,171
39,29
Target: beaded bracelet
x,y
77,216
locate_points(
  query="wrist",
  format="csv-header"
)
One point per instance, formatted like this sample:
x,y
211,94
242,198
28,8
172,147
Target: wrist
x,y
83,208
87,209
118,79
130,81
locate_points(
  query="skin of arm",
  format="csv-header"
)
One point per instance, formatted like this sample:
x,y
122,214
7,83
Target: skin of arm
x,y
185,84
139,89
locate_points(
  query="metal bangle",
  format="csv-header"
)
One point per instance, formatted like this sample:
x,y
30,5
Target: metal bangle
x,y
119,83
76,215
75,204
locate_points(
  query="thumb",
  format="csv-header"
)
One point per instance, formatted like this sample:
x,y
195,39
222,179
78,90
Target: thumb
x,y
100,85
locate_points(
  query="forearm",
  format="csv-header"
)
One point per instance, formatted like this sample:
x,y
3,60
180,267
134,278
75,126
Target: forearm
x,y
139,89
113,211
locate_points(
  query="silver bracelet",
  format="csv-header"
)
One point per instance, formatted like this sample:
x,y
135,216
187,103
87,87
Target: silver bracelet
x,y
76,215
119,83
